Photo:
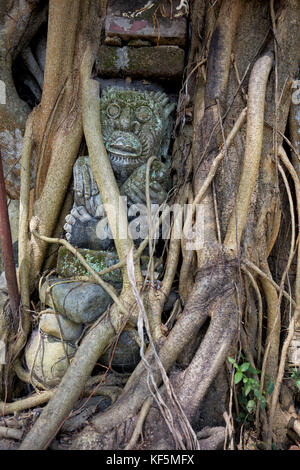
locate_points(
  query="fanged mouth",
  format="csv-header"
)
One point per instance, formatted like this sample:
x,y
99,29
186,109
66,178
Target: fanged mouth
x,y
123,146
117,158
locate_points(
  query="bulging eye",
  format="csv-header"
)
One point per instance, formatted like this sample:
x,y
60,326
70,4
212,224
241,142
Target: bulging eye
x,y
143,113
113,110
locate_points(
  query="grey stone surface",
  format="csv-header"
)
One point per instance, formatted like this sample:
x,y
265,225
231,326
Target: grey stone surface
x,y
80,302
155,63
294,350
131,20
57,325
45,356
126,355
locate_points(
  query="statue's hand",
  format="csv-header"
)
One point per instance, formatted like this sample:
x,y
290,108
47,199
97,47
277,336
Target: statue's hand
x,y
135,186
86,192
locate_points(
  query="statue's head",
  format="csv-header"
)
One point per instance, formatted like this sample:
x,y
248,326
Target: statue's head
x,y
135,126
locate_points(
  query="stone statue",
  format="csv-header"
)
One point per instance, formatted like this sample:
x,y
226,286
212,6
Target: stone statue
x,y
135,126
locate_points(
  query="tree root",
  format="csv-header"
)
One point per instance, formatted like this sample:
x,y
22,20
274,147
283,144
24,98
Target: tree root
x,y
212,438
9,433
207,293
196,379
255,122
139,424
40,398
136,390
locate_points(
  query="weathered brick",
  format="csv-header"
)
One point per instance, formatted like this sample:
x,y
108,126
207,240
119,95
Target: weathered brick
x,y
164,62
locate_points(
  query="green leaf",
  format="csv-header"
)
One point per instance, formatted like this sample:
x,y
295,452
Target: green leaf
x,y
245,380
298,383
253,371
245,366
238,377
251,406
257,394
231,360
247,389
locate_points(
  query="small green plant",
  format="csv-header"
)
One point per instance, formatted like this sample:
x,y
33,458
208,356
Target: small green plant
x,y
296,375
249,395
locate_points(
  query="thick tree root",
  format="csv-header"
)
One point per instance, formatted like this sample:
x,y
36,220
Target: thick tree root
x,y
207,299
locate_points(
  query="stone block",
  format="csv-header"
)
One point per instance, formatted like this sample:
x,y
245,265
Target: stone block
x,y
80,302
46,357
164,62
126,355
57,325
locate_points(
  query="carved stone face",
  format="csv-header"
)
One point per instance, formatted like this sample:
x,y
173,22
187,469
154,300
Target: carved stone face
x,y
134,125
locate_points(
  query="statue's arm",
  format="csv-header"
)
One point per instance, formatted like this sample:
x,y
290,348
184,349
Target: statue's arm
x,y
160,183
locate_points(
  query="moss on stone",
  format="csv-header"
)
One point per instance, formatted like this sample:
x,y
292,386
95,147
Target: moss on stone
x,y
69,266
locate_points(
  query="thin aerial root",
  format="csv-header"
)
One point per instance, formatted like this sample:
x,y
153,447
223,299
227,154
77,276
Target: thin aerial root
x,y
214,167
280,374
284,158
268,278
26,403
139,424
23,245
270,362
260,311
185,430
